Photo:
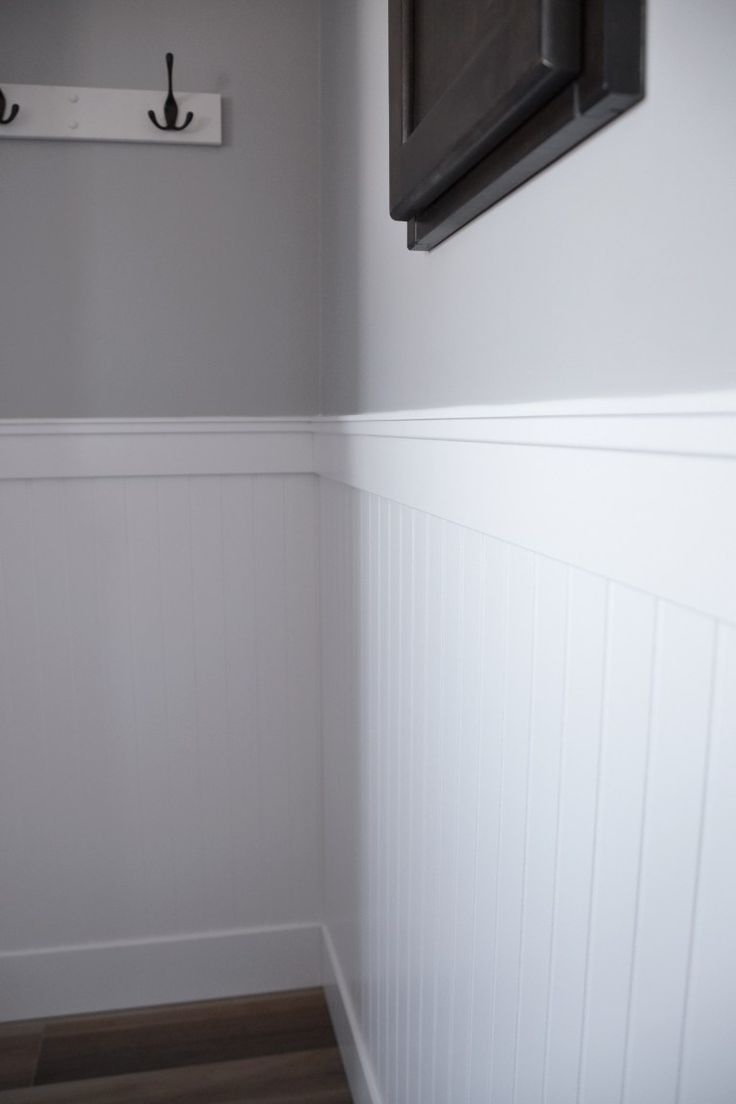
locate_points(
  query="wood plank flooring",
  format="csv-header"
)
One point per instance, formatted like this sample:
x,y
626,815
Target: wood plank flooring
x,y
274,1049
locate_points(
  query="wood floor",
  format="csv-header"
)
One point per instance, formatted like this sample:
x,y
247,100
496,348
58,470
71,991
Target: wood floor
x,y
276,1049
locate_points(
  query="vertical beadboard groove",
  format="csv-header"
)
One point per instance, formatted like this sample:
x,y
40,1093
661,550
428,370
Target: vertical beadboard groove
x,y
367,748
75,697
471,677
698,862
408,799
503,690
228,718
488,832
708,1066
529,771
681,685
476,819
391,783
257,689
375,742
177,877
657,628
517,720
421,932
456,758
551,621
135,700
414,795
440,736
401,792
431,836
594,847
580,787
361,722
283,614
199,796
558,819
525,725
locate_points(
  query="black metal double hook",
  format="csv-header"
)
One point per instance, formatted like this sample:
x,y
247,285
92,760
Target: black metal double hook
x,y
13,111
171,107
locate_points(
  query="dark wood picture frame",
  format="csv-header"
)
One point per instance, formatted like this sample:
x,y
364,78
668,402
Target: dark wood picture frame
x,y
484,94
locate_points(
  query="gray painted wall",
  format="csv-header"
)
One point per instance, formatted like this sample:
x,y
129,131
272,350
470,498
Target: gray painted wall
x,y
151,281
612,273
139,280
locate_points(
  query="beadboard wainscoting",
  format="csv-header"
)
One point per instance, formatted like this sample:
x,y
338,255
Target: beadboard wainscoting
x,y
529,711
512,845
160,791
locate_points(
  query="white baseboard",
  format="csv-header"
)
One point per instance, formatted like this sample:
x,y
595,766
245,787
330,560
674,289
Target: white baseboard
x,y
363,1084
101,977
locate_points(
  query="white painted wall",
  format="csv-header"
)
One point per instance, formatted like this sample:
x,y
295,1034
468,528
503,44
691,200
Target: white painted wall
x,y
529,769
160,792
610,274
147,281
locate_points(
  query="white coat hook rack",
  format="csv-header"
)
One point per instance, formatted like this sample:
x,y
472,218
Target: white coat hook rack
x,y
113,114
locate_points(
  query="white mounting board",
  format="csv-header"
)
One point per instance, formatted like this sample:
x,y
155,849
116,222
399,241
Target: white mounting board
x,y
109,115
